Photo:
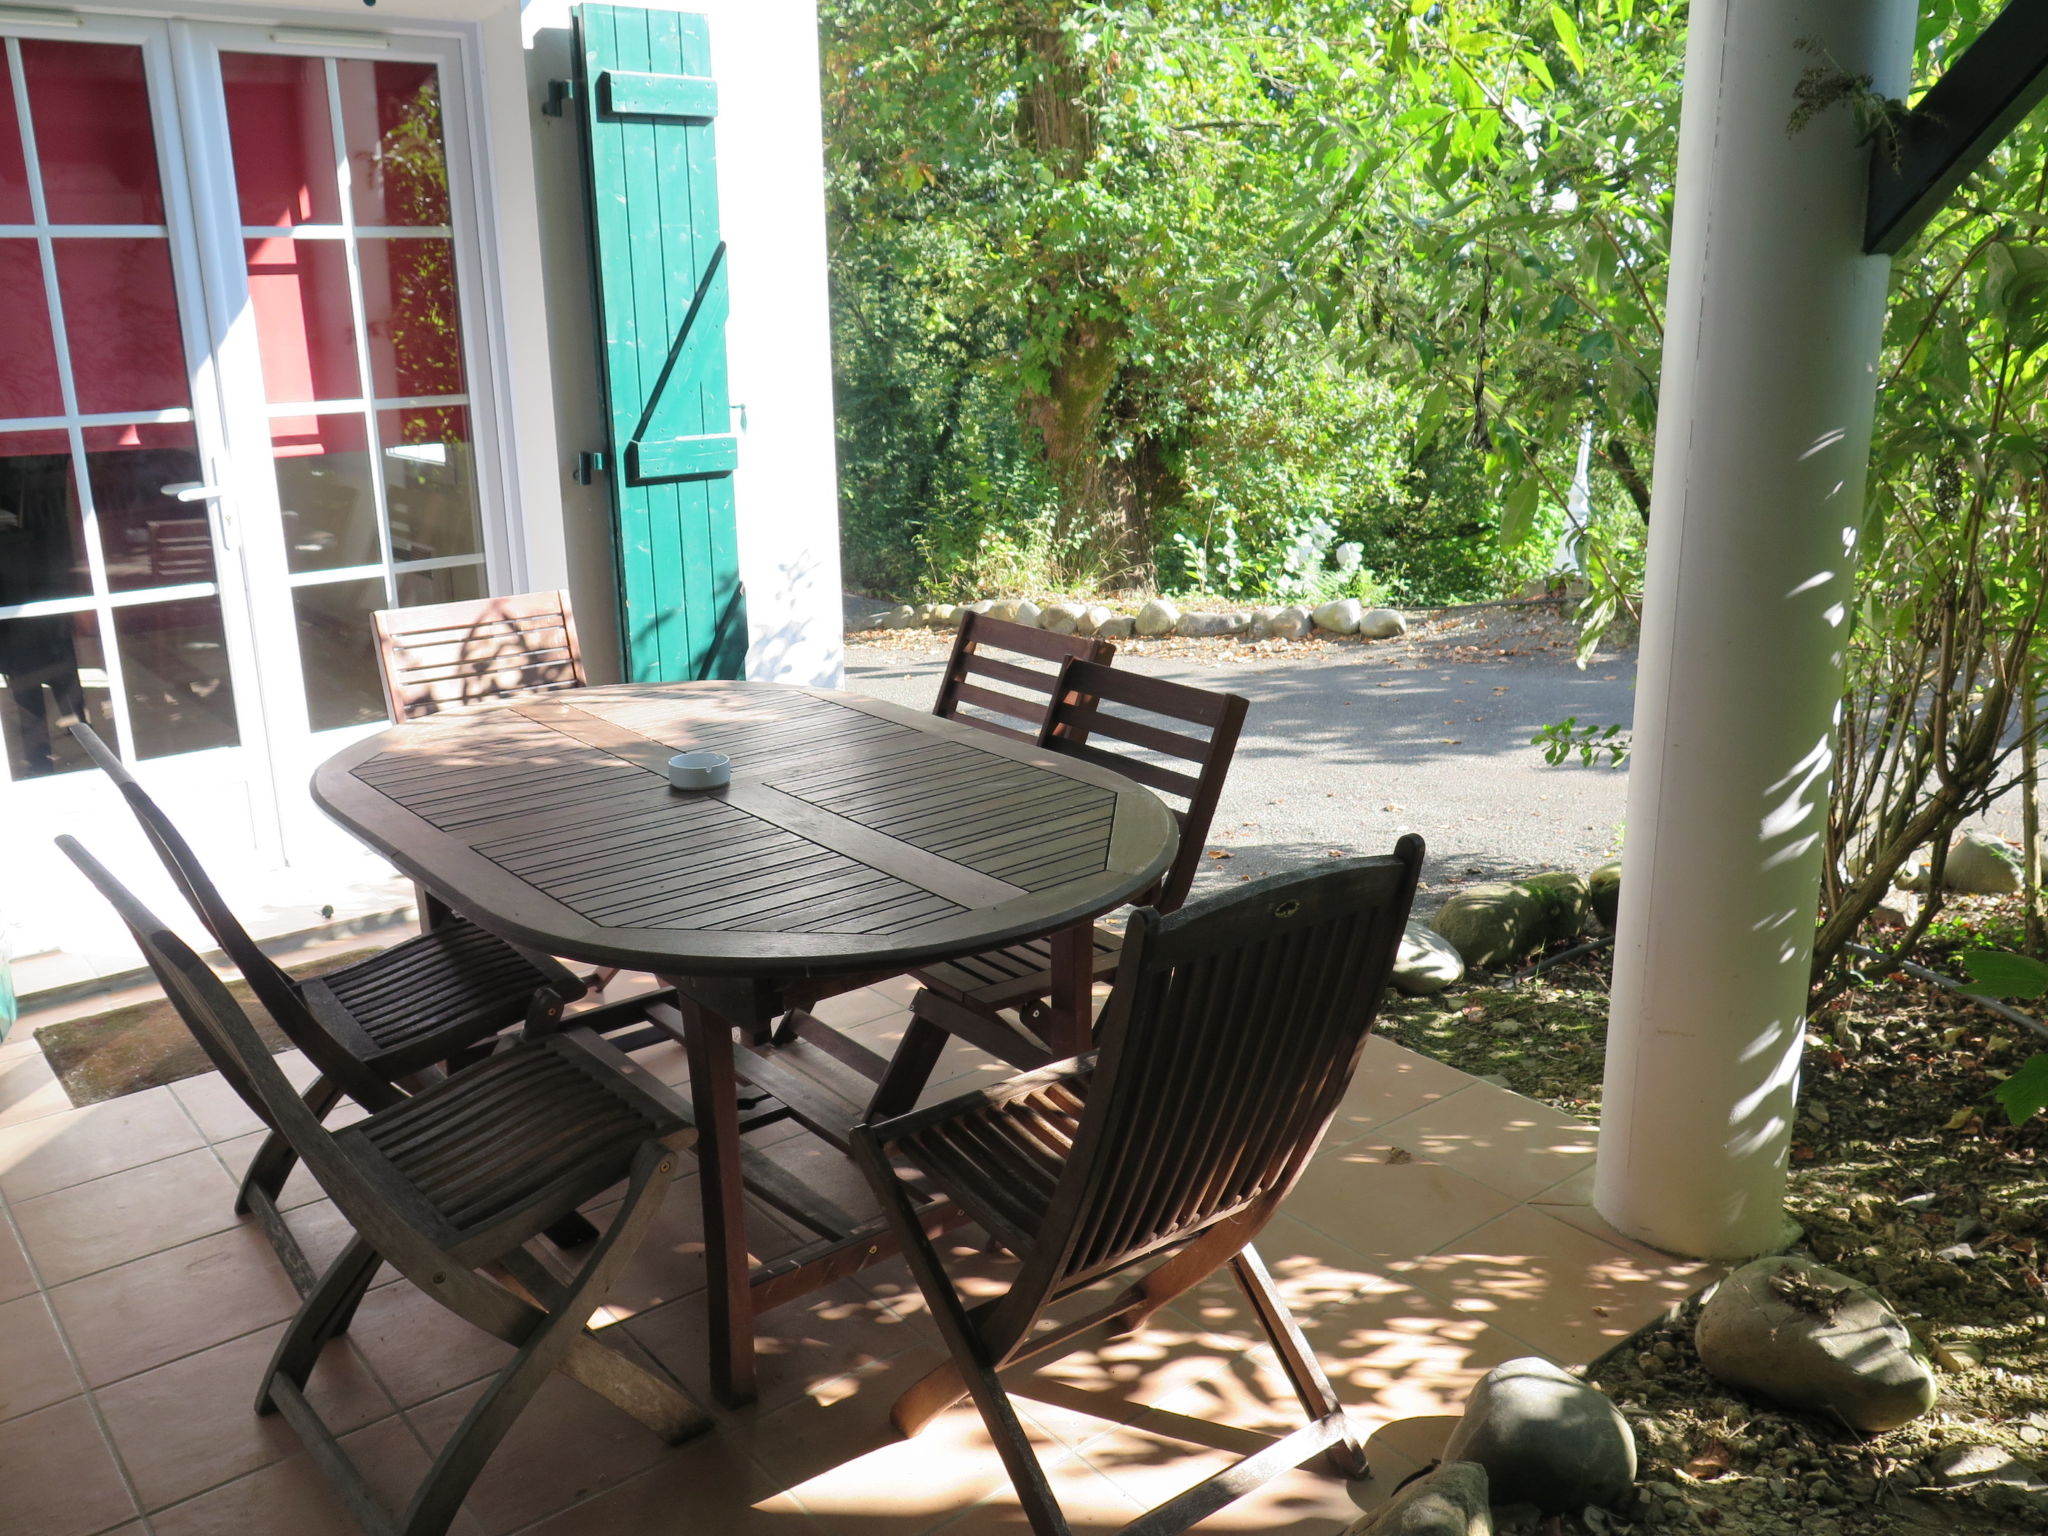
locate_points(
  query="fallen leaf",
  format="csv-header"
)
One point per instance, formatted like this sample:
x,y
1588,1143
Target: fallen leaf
x,y
1221,853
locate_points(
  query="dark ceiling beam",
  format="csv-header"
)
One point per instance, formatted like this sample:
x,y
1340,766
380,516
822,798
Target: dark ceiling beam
x,y
1967,113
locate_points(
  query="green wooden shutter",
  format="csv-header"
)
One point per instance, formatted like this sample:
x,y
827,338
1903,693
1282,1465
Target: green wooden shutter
x,y
644,89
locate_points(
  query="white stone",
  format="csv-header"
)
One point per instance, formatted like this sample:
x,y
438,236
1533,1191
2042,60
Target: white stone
x,y
981,606
902,616
943,616
1288,624
1061,618
1340,617
1208,625
1027,613
1382,624
1005,608
1427,962
1545,1438
1980,864
1093,617
1118,626
1158,617
1448,1500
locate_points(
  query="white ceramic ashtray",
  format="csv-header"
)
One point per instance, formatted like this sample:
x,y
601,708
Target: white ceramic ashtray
x,y
699,770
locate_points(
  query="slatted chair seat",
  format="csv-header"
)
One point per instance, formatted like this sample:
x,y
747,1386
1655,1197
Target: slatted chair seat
x,y
1177,741
370,1028
1002,1161
450,1187
537,1130
1231,1035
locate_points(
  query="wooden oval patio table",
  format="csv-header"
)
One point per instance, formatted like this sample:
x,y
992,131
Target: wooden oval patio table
x,y
856,837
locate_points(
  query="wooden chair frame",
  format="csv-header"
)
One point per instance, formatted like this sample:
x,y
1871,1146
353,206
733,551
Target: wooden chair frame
x,y
444,1028
1232,1035
480,650
1047,981
414,1209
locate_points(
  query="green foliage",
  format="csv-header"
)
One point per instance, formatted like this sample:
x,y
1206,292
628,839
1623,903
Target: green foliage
x,y
1995,973
1562,739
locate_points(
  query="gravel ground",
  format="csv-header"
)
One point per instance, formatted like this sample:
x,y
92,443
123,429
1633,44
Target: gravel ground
x,y
1349,743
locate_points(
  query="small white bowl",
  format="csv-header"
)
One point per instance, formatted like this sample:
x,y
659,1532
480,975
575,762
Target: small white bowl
x,y
699,770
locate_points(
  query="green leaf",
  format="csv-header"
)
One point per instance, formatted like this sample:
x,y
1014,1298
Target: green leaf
x,y
1518,511
1568,37
1997,973
2025,1093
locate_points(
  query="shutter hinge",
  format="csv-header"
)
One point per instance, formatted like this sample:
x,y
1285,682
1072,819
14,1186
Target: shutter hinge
x,y
560,94
588,467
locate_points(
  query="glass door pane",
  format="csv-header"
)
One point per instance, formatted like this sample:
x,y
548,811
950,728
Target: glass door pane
x,y
341,180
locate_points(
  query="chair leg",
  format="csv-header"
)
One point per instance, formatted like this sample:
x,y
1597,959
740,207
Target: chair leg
x,y
321,1315
275,1159
909,1069
1305,1372
975,1372
545,1349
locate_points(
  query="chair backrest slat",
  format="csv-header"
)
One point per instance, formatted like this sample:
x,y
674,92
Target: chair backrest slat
x,y
1230,1039
1018,709
1094,704
448,655
276,991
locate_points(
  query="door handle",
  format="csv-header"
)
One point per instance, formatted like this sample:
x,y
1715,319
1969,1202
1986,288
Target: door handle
x,y
226,534
191,490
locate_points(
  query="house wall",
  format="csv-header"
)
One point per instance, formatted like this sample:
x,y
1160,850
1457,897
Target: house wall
x,y
771,191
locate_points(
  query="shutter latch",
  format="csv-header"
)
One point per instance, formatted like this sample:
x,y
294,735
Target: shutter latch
x,y
588,467
560,94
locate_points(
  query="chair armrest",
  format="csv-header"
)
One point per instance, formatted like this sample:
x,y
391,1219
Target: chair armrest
x,y
543,1013
889,1132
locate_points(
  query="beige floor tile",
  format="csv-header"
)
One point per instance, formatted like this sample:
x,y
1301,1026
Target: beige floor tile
x,y
1563,1291
1503,1140
798,1347
706,1483
35,1368
861,1006
58,1477
79,1144
15,1278
1391,1081
417,1347
192,1425
323,1232
1089,1501
568,1445
1383,1206
153,1310
292,1498
126,1215
669,1264
1575,1190
29,1089
299,1186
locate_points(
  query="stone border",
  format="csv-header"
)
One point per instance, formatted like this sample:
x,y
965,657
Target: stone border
x,y
1159,618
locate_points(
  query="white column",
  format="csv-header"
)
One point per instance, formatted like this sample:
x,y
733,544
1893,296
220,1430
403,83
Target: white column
x,y
1772,333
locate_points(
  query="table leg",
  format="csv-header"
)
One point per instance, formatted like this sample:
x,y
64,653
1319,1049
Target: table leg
x,y
714,1100
1068,1028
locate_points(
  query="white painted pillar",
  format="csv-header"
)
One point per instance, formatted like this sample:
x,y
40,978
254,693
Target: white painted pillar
x,y
1771,344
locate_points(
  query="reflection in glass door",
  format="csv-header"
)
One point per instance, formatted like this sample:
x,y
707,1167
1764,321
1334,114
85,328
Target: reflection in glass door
x,y
114,606
341,179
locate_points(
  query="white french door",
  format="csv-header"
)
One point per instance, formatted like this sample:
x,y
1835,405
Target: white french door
x,y
236,411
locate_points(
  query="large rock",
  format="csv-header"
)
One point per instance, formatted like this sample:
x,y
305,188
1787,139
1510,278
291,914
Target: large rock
x,y
1382,624
902,616
942,616
1027,613
1545,1438
1061,618
1808,1337
1450,1500
1567,903
1292,623
1158,617
1427,962
1208,625
1981,865
1118,626
1005,608
1341,617
1503,920
1603,890
1093,617
1491,923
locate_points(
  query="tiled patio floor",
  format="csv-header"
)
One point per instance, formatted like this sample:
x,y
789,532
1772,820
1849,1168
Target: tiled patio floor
x,y
1443,1228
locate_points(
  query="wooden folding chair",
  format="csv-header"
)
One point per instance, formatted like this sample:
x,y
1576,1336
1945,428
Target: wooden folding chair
x,y
1232,1034
989,683
1173,739
479,651
449,655
449,1187
1001,677
368,1028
